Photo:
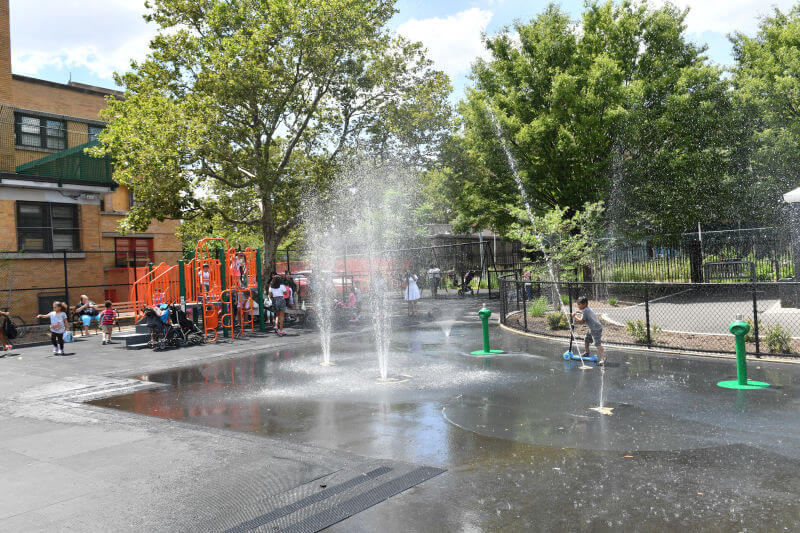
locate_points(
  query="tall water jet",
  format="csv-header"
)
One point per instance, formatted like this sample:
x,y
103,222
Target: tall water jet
x,y
320,226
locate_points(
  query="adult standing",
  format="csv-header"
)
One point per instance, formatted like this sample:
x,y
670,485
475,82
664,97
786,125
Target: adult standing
x,y
411,292
434,275
88,311
276,291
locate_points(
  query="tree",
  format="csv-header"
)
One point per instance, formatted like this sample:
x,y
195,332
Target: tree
x,y
258,100
766,76
625,111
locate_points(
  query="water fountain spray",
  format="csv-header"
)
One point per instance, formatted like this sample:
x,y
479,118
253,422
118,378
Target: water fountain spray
x,y
512,163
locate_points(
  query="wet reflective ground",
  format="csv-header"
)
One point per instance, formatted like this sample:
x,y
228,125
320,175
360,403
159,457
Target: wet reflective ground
x,y
530,441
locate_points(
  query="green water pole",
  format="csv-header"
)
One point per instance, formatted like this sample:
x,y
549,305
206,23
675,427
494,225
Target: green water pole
x,y
182,284
484,314
740,328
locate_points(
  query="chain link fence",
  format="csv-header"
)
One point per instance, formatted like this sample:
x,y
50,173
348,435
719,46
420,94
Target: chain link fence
x,y
680,316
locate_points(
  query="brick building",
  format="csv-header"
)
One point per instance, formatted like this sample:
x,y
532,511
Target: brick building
x,y
60,208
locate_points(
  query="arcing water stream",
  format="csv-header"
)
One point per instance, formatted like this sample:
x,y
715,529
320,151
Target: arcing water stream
x,y
512,163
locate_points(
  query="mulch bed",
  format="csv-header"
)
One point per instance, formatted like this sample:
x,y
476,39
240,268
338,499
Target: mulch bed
x,y
614,334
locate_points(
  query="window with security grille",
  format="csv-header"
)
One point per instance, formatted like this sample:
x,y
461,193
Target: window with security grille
x,y
94,132
40,132
47,227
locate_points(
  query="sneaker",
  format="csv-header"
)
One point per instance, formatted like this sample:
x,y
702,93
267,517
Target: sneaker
x,y
55,351
61,352
8,347
281,333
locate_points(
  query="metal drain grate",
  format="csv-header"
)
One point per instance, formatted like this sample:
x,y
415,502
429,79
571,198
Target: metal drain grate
x,y
308,500
356,504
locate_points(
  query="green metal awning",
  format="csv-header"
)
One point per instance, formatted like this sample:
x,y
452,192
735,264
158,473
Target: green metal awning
x,y
72,164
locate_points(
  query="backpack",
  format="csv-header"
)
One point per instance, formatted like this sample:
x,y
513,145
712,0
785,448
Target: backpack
x,y
10,329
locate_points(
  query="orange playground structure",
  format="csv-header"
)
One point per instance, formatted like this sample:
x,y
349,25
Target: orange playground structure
x,y
220,285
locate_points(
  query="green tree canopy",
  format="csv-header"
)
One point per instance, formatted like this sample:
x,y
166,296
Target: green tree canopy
x,y
625,110
766,76
279,88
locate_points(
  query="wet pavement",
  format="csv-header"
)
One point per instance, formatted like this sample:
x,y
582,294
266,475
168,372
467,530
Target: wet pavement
x,y
529,441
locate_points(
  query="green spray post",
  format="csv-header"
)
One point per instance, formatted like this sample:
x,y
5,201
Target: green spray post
x,y
484,314
740,328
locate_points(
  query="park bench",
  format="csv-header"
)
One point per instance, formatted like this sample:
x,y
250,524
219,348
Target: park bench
x,y
729,272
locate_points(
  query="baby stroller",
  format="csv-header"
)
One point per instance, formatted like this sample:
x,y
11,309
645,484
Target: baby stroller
x,y
162,334
465,288
185,331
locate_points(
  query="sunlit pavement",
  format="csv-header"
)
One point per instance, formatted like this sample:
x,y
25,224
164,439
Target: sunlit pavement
x,y
528,441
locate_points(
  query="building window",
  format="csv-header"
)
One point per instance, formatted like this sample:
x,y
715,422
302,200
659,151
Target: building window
x,y
44,227
132,251
40,132
94,131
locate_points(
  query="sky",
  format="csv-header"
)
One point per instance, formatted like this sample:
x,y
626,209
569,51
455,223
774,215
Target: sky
x,y
88,40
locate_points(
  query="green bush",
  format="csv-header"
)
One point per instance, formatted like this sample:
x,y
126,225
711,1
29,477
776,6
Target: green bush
x,y
778,340
557,320
613,301
638,330
564,299
539,306
751,335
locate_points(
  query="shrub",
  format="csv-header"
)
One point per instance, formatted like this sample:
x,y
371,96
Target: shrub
x,y
778,340
613,301
751,335
638,330
564,299
557,320
539,306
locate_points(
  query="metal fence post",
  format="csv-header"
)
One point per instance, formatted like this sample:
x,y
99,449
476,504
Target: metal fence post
x,y
755,321
66,278
524,307
647,313
227,307
182,284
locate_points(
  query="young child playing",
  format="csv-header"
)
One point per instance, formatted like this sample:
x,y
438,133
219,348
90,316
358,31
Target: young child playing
x,y
585,315
58,326
107,319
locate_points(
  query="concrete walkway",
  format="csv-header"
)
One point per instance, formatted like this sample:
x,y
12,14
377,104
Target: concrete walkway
x,y
68,466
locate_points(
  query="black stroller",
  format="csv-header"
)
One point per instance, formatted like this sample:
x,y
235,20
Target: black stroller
x,y
465,288
162,335
186,331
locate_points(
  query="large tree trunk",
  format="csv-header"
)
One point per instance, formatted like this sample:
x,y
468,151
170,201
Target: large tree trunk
x,y
268,257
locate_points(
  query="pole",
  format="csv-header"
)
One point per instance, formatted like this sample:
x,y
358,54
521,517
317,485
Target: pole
x,y
223,286
260,288
755,321
647,314
66,277
484,315
740,328
524,307
182,284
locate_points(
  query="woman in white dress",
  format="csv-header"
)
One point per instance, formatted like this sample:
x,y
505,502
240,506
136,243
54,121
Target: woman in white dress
x,y
411,292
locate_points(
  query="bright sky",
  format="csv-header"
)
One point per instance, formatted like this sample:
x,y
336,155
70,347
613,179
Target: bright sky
x,y
92,38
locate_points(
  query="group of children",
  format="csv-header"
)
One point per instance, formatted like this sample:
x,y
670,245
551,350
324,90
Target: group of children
x,y
59,324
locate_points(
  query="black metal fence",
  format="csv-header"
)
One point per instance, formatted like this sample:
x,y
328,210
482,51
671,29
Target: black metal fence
x,y
31,281
681,316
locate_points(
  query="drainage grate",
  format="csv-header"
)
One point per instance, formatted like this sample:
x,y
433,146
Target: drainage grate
x,y
308,500
356,504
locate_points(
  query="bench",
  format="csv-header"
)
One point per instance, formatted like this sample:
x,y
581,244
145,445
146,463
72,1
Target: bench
x,y
730,271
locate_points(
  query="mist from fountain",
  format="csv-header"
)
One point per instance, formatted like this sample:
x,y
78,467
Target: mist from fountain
x,y
369,210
